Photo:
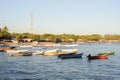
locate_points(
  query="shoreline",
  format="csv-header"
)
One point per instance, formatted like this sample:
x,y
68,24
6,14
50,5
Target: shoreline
x,y
44,43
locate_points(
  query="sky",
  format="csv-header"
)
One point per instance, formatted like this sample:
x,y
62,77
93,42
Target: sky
x,y
61,16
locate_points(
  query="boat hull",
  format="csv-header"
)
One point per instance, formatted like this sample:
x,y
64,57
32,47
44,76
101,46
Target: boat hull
x,y
50,52
106,53
97,57
71,55
21,54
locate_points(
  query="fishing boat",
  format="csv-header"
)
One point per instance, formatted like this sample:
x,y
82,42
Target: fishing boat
x,y
69,45
20,54
65,54
71,55
69,50
38,53
16,51
25,46
106,53
2,50
50,52
97,57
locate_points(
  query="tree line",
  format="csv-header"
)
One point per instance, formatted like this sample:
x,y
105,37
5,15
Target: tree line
x,y
6,35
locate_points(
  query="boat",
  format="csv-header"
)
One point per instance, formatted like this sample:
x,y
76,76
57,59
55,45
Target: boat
x,y
20,54
16,51
106,53
69,45
50,52
38,53
69,50
97,57
70,55
25,46
2,50
65,54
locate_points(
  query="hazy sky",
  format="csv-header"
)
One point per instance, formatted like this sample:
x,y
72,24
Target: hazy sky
x,y
61,16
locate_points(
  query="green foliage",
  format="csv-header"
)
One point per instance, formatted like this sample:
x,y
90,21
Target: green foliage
x,y
112,37
4,34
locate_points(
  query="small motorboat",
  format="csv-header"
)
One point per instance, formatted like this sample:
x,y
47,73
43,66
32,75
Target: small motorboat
x,y
38,53
69,50
2,50
52,52
106,53
65,54
70,55
16,51
97,57
20,54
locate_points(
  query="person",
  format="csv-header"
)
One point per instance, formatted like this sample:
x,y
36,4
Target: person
x,y
89,55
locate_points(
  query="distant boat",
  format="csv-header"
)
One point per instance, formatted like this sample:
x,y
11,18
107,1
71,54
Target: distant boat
x,y
97,57
106,53
70,55
20,54
65,54
2,50
25,46
16,51
50,52
69,50
38,53
69,45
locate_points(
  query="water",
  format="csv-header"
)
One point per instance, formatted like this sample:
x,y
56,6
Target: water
x,y
53,68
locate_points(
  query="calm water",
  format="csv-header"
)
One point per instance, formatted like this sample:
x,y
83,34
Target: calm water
x,y
53,68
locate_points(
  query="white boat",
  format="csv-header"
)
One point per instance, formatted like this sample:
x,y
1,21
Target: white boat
x,y
50,52
69,45
69,50
16,51
25,46
38,52
20,54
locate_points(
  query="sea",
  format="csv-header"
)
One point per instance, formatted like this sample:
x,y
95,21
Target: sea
x,y
54,68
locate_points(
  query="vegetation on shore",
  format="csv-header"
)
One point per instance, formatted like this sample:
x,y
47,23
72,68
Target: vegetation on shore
x,y
6,35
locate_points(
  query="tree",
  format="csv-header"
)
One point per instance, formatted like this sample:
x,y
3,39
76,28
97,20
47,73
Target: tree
x,y
4,34
95,37
58,40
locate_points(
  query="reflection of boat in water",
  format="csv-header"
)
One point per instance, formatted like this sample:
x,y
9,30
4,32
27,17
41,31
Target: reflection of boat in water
x,y
71,55
106,53
97,57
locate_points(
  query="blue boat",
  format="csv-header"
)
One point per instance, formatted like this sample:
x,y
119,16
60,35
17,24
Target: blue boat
x,y
70,55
